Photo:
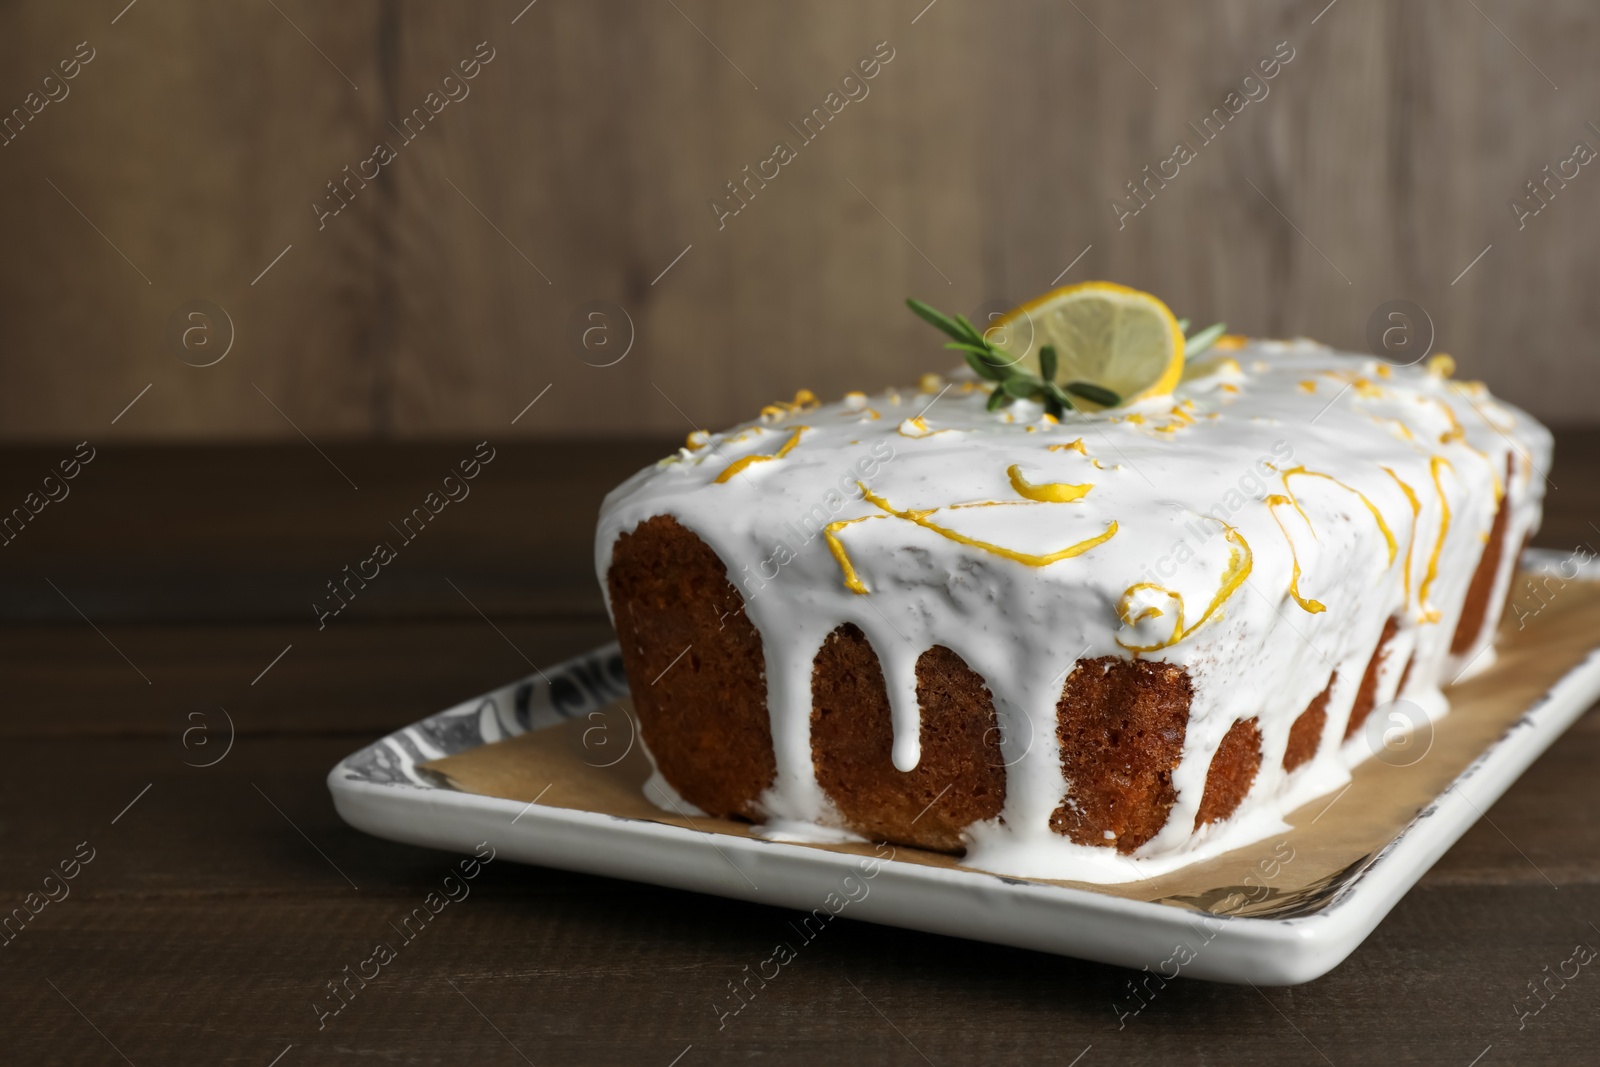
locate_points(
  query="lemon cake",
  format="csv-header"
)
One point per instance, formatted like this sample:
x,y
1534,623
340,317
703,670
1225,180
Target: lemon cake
x,y
1095,606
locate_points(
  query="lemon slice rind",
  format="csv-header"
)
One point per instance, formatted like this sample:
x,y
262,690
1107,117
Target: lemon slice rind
x,y
1111,335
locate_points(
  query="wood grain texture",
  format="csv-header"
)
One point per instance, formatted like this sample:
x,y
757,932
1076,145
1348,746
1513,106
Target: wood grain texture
x,y
983,161
281,522
193,143
217,905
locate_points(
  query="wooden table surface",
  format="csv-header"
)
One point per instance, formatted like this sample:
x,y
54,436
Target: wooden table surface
x,y
219,900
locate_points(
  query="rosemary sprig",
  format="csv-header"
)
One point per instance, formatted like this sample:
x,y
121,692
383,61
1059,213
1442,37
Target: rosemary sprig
x,y
1012,382
1203,340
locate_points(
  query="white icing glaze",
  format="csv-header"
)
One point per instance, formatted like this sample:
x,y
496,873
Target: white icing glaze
x,y
925,496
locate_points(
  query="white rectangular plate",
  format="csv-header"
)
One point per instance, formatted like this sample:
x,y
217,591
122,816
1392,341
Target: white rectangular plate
x,y
382,790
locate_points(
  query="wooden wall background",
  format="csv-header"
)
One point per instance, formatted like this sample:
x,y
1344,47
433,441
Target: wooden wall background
x,y
190,149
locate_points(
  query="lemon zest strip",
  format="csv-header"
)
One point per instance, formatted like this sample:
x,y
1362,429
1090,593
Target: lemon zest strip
x,y
1311,606
1124,607
740,464
1240,562
852,580
1027,558
1416,510
1377,516
1456,432
1046,492
1430,614
1494,470
1405,431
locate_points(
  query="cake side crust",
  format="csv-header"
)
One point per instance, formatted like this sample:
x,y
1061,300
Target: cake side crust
x,y
1367,694
1232,772
695,667
1474,613
959,778
1121,725
1306,734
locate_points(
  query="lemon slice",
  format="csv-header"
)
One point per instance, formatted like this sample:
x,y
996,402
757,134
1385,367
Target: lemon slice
x,y
1104,333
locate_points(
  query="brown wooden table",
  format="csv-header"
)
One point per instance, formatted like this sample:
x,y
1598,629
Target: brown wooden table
x,y
220,900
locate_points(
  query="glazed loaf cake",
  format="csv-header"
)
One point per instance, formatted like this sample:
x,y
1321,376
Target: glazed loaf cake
x,y
1084,648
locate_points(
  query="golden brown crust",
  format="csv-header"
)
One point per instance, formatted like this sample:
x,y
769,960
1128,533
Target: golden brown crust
x,y
1511,586
1306,734
1232,772
695,667
1121,725
1405,675
959,779
1367,694
1474,612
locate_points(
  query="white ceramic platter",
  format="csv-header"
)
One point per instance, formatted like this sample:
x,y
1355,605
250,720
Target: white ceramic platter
x,y
381,790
